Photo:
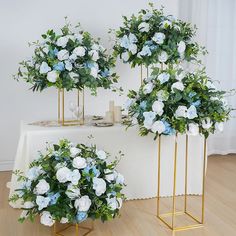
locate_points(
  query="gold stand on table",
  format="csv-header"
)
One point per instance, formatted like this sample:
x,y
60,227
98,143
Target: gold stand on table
x,y
174,213
56,232
61,109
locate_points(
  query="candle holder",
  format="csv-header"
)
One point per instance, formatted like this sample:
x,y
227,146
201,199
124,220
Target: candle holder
x,y
62,231
61,109
173,214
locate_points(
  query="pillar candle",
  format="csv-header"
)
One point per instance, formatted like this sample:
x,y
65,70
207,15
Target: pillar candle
x,y
109,117
111,106
117,114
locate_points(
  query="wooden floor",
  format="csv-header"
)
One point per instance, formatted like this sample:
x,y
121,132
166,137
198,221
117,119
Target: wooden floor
x,y
138,217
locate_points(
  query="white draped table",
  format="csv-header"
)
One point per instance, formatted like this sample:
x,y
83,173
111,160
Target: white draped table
x,y
139,165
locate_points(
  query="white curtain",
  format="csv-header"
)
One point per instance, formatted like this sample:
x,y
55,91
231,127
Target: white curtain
x,y
216,23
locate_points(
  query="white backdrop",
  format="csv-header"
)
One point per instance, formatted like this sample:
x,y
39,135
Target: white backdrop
x,y
24,21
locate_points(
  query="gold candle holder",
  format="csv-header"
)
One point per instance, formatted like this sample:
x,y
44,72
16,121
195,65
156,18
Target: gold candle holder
x,y
173,214
61,109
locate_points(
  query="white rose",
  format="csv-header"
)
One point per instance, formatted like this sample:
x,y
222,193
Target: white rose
x,y
120,179
191,112
79,51
75,177
101,154
34,172
163,77
129,102
52,76
42,202
83,203
94,72
144,27
62,41
148,88
79,163
72,191
94,54
158,126
163,57
74,151
44,68
210,85
193,129
147,16
157,107
181,47
112,203
207,123
68,65
133,48
79,37
159,38
46,219
63,174
180,76
28,205
64,220
181,112
125,56
42,187
109,175
63,55
73,57
219,126
99,185
177,85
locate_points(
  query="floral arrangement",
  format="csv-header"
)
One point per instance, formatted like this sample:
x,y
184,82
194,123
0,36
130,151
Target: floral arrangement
x,y
152,37
70,184
174,101
70,59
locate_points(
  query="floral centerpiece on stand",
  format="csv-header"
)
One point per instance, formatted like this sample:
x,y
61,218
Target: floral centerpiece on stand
x,y
70,184
172,100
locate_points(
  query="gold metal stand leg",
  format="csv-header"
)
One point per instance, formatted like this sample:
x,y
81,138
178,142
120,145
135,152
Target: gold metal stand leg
x,y
76,230
59,106
63,107
186,174
203,181
147,72
83,109
158,175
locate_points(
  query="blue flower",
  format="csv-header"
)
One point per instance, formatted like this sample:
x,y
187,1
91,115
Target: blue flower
x,y
196,103
95,171
143,105
149,43
59,66
105,73
53,52
81,216
53,198
145,51
192,94
168,129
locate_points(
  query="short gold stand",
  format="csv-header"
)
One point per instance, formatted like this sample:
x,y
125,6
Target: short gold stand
x,y
61,109
60,232
173,214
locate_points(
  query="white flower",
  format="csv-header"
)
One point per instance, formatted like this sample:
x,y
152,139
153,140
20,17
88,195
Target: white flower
x,y
129,102
73,57
63,55
68,65
83,203
52,76
210,85
207,123
79,163
42,187
34,172
120,179
94,72
134,121
157,107
46,219
193,129
149,119
44,68
180,76
94,54
63,174
42,202
79,37
45,49
191,112
144,27
147,16
72,191
64,220
145,51
219,126
163,57
132,38
79,51
133,48
163,77
112,203
162,95
110,175
74,151
75,177
62,41
101,154
125,56
158,126
99,185
148,88
177,85
28,205
166,24
159,38
181,47
181,112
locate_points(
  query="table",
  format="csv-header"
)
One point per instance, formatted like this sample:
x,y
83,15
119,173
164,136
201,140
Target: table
x,y
139,165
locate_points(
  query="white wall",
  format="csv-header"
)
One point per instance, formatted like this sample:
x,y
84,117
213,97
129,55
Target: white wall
x,y
24,21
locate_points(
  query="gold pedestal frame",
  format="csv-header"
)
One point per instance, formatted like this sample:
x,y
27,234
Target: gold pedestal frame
x,y
61,109
198,222
56,232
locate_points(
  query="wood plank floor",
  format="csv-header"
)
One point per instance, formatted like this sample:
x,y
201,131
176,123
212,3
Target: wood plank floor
x,y
138,217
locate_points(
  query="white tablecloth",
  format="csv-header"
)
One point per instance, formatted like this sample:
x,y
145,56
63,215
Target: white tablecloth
x,y
139,165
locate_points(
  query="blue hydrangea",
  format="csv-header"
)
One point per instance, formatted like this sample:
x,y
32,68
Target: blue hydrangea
x,y
59,66
196,103
53,198
143,105
168,129
105,73
53,52
192,94
81,216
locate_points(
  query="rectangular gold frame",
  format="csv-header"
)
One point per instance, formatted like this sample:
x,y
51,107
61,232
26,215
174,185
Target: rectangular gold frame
x,y
174,213
61,109
56,232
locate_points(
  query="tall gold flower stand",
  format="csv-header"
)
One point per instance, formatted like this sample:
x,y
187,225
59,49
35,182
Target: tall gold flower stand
x,y
71,229
169,219
61,109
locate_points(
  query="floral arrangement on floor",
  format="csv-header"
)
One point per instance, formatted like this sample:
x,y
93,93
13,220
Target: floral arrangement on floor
x,y
174,101
70,184
71,59
152,37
